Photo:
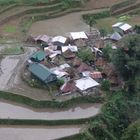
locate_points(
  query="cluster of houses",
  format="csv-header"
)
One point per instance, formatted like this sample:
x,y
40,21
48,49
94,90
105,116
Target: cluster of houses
x,y
57,59
120,29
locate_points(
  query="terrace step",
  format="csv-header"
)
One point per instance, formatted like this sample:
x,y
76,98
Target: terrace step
x,y
22,10
126,9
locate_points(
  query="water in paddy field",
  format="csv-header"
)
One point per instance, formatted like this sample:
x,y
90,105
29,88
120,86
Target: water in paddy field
x,y
18,112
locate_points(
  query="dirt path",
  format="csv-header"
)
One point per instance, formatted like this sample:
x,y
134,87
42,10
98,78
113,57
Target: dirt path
x,y
37,133
18,112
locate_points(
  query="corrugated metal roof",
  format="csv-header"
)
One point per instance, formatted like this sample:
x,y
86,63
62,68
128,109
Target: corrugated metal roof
x,y
125,27
118,24
38,56
86,83
116,36
78,35
40,71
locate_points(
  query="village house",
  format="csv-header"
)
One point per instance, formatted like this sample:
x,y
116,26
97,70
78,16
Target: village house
x,y
122,28
83,67
96,75
42,39
78,35
42,73
115,36
59,40
73,48
86,85
78,38
38,56
68,54
68,87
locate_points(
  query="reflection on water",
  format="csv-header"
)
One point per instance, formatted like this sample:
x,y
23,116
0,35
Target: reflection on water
x,y
7,66
19,112
30,133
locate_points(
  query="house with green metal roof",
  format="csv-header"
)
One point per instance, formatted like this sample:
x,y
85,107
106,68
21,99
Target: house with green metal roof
x,y
42,73
38,56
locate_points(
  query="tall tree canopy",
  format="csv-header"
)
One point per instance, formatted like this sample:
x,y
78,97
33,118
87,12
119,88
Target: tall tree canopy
x,y
127,59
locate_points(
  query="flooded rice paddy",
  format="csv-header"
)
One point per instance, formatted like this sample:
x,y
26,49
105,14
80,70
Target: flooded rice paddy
x,y
18,112
8,65
36,133
62,25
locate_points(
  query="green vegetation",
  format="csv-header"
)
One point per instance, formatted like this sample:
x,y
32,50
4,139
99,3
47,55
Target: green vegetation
x,y
107,52
123,4
126,59
96,16
119,118
15,50
132,132
49,104
135,12
67,3
137,29
72,3
105,85
117,113
28,2
92,19
124,18
10,29
85,54
45,122
74,137
103,32
48,12
25,25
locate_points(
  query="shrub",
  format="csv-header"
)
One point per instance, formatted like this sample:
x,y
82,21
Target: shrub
x,y
86,55
106,85
49,104
97,16
60,82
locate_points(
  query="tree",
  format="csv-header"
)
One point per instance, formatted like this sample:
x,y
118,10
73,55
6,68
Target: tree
x,y
127,60
86,55
132,132
106,85
103,32
137,29
107,52
90,20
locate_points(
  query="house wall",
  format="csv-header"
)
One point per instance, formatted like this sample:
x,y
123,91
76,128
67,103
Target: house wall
x,y
116,29
51,78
